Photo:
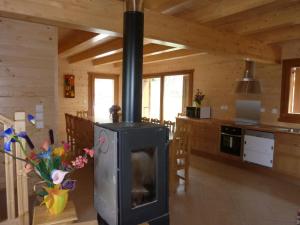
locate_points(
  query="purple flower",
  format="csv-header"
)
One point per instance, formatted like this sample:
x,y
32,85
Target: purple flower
x,y
68,185
198,97
114,109
31,118
9,133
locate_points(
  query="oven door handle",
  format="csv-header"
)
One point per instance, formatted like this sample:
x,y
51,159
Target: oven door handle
x,y
231,135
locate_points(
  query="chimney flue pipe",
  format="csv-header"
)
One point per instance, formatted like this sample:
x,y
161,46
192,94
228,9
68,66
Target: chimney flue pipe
x,y
133,39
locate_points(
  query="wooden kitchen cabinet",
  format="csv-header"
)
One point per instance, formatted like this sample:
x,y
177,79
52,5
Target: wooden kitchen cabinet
x,y
287,154
205,135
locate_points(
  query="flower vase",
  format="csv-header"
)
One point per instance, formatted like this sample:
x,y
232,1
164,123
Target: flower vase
x,y
56,200
115,117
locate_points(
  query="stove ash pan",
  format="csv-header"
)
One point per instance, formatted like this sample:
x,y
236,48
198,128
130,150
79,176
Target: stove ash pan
x,y
131,174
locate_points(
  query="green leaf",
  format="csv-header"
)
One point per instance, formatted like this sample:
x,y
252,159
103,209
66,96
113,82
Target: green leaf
x,y
42,193
56,162
42,168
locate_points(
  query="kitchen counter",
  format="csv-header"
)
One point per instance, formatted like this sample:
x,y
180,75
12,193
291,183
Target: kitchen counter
x,y
205,140
258,127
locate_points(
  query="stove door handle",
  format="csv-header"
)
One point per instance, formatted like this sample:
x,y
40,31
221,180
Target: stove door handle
x,y
232,135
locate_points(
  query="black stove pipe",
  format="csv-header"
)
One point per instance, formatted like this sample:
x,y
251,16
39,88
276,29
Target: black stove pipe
x,y
133,39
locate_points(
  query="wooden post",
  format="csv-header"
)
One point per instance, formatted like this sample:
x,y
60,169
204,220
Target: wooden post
x,y
9,180
22,186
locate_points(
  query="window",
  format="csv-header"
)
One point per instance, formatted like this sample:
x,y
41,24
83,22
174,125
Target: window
x,y
103,93
167,94
290,91
151,97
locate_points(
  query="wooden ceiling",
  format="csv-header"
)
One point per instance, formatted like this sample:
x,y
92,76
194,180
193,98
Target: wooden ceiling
x,y
263,22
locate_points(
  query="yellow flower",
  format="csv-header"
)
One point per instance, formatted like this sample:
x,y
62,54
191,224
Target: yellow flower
x,y
58,151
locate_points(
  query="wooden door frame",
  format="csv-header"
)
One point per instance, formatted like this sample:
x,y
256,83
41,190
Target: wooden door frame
x,y
189,73
91,84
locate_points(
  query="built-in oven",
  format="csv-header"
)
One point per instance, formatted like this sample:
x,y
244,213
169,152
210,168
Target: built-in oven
x,y
231,140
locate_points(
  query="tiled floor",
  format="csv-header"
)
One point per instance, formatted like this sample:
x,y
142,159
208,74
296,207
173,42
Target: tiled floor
x,y
219,194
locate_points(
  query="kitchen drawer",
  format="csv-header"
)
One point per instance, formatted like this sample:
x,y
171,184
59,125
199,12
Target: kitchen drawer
x,y
259,148
258,158
259,144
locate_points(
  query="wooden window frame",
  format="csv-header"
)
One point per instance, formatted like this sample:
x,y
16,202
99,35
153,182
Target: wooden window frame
x,y
91,84
162,76
285,116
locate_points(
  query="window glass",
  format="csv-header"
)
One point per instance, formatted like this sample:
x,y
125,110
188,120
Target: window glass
x,y
143,189
151,98
103,99
294,92
173,96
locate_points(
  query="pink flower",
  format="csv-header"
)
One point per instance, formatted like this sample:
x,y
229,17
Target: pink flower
x,y
28,168
89,152
102,140
45,145
79,162
66,146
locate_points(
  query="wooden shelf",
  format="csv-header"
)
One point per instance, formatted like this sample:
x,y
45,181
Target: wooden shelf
x,y
42,217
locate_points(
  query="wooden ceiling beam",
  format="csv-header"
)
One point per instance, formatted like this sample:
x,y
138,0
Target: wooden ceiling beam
x,y
273,19
148,49
167,6
157,4
108,59
112,45
171,55
181,53
218,9
106,16
73,39
279,35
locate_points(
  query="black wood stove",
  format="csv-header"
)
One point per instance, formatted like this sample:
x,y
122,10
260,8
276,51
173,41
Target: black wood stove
x,y
131,158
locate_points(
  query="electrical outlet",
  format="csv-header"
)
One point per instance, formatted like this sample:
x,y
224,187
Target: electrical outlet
x,y
39,108
274,111
39,116
39,124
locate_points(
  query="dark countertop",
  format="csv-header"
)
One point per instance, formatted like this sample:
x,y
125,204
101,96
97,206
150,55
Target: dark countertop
x,y
258,127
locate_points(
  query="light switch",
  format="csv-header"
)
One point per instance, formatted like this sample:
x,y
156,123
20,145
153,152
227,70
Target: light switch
x,y
262,110
39,124
274,111
39,116
39,108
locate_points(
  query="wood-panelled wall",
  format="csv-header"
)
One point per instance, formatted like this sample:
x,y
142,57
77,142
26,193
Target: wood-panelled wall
x,y
216,76
80,102
28,70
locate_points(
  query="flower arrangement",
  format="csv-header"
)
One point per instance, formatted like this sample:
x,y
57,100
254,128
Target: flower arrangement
x,y
51,163
113,110
198,98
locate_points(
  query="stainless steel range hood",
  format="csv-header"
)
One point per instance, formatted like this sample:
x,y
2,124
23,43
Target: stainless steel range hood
x,y
248,85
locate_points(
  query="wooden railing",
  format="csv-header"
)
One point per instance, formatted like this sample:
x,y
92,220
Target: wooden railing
x,y
22,187
80,133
